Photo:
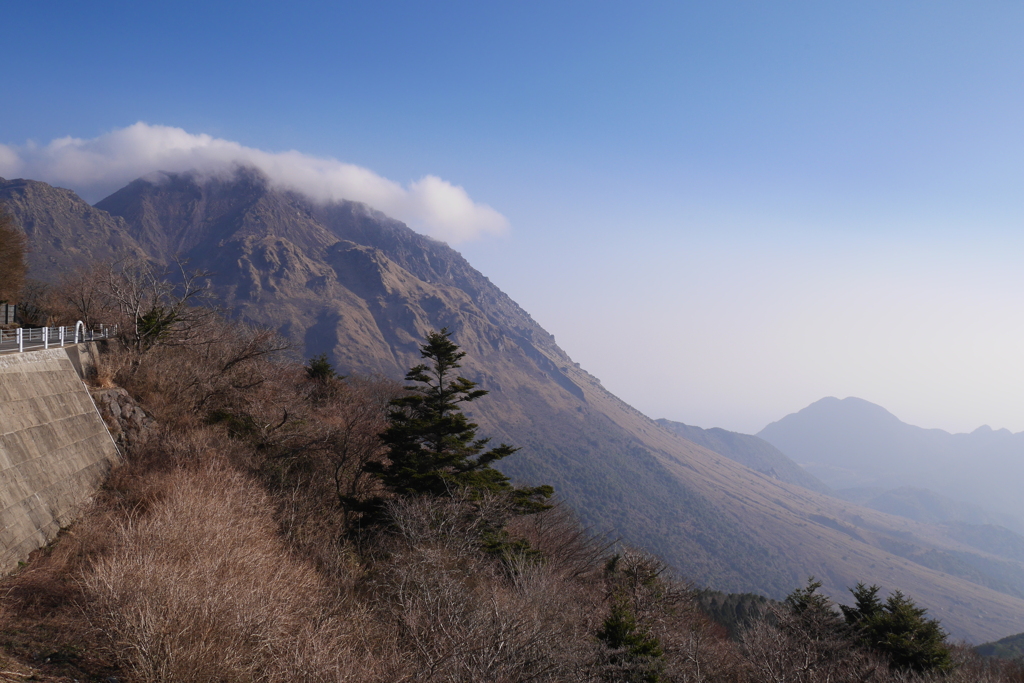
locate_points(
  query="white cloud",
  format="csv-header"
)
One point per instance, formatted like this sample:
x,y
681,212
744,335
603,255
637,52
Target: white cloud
x,y
95,168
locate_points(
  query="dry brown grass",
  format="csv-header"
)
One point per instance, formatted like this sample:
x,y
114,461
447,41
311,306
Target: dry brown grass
x,y
201,587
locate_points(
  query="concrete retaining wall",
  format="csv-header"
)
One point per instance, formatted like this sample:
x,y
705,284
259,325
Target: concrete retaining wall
x,y
54,449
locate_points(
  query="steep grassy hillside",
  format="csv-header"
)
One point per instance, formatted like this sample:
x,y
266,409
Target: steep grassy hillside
x,y
752,451
923,505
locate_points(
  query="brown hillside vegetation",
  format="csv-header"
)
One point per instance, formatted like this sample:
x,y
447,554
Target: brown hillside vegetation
x,y
219,551
343,280
13,244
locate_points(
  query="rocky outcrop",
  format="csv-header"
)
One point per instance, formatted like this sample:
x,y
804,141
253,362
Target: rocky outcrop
x,y
128,423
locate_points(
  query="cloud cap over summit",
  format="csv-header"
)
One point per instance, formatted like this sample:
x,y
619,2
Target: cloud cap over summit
x,y
96,167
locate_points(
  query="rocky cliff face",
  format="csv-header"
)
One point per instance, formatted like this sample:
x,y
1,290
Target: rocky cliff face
x,y
63,229
348,281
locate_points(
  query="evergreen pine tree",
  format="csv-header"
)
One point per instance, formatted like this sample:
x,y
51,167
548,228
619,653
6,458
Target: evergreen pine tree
x,y
636,652
320,369
432,446
816,611
898,629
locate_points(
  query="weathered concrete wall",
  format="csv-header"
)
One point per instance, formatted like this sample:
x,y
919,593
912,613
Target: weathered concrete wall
x,y
54,450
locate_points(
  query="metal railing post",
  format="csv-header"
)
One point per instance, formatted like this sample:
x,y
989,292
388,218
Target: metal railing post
x,y
42,336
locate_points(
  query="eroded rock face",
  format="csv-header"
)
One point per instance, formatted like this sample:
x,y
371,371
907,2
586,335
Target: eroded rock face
x,y
128,423
64,230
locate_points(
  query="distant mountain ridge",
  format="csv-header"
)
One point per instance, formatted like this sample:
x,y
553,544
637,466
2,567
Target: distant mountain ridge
x,y
853,443
348,281
750,451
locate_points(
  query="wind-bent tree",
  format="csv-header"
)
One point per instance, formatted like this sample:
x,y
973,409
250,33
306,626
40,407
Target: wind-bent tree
x,y
13,245
432,447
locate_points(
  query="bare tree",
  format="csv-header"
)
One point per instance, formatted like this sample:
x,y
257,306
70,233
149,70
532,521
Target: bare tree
x,y
569,548
82,294
158,307
461,615
13,245
223,371
791,647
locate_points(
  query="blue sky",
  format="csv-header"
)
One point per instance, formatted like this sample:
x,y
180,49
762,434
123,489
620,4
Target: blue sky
x,y
723,210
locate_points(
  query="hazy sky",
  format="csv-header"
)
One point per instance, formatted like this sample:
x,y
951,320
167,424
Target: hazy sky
x,y
725,211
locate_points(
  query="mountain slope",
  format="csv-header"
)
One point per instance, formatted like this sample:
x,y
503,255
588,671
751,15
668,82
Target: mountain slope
x,y
62,228
348,281
751,451
363,288
923,505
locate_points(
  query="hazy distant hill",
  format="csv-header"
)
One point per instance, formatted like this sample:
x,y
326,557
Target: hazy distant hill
x,y
349,281
751,451
853,443
927,506
1010,647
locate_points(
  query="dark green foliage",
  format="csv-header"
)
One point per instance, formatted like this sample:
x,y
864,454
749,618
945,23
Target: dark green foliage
x,y
632,646
325,385
156,324
808,601
734,611
320,369
1010,647
500,543
432,447
815,615
898,629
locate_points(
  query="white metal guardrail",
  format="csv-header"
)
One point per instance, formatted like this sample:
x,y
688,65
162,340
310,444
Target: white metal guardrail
x,y
29,338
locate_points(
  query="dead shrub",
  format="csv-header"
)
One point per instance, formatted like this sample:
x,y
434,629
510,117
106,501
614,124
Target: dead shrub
x,y
185,382
310,452
200,588
568,548
791,648
461,615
